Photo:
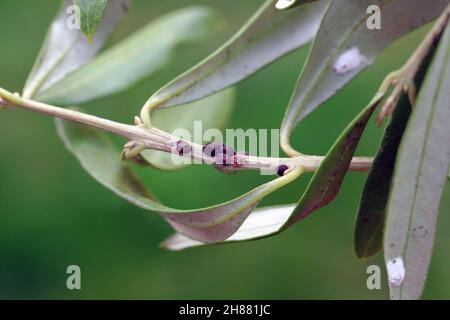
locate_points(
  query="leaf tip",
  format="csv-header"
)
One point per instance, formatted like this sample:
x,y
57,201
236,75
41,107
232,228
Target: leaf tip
x,y
364,252
90,37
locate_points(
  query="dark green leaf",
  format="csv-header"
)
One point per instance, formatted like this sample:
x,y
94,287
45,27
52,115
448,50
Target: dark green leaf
x,y
370,219
91,12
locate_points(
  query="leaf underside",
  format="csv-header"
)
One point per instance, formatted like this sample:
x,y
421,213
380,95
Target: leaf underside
x,y
267,36
344,46
261,223
137,57
65,49
421,169
371,212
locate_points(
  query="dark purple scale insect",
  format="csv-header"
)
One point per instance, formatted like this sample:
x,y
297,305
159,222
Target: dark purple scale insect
x,y
282,169
221,154
183,148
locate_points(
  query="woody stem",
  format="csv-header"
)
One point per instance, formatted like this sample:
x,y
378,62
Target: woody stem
x,y
156,139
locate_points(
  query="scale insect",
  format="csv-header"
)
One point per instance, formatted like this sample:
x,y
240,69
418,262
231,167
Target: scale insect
x,y
349,61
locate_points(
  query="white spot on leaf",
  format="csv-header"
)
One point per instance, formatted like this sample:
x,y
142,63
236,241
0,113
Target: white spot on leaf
x,y
349,61
284,4
396,272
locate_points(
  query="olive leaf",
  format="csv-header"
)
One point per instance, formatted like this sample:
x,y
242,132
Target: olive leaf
x,y
371,211
65,48
321,190
91,12
218,223
99,157
344,46
212,112
262,222
267,36
138,56
421,169
327,180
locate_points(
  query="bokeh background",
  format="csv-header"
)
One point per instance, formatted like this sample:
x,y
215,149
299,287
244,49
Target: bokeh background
x,y
52,214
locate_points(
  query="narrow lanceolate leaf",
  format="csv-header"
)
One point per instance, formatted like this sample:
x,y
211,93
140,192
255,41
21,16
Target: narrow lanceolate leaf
x,y
211,112
260,223
345,45
91,12
135,58
327,180
322,189
65,48
421,170
218,223
101,159
267,36
371,211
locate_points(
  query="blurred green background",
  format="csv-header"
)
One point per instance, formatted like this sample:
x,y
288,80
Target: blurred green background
x,y
52,214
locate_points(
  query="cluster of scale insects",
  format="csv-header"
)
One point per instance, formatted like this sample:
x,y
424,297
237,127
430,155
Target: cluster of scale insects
x,y
222,156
